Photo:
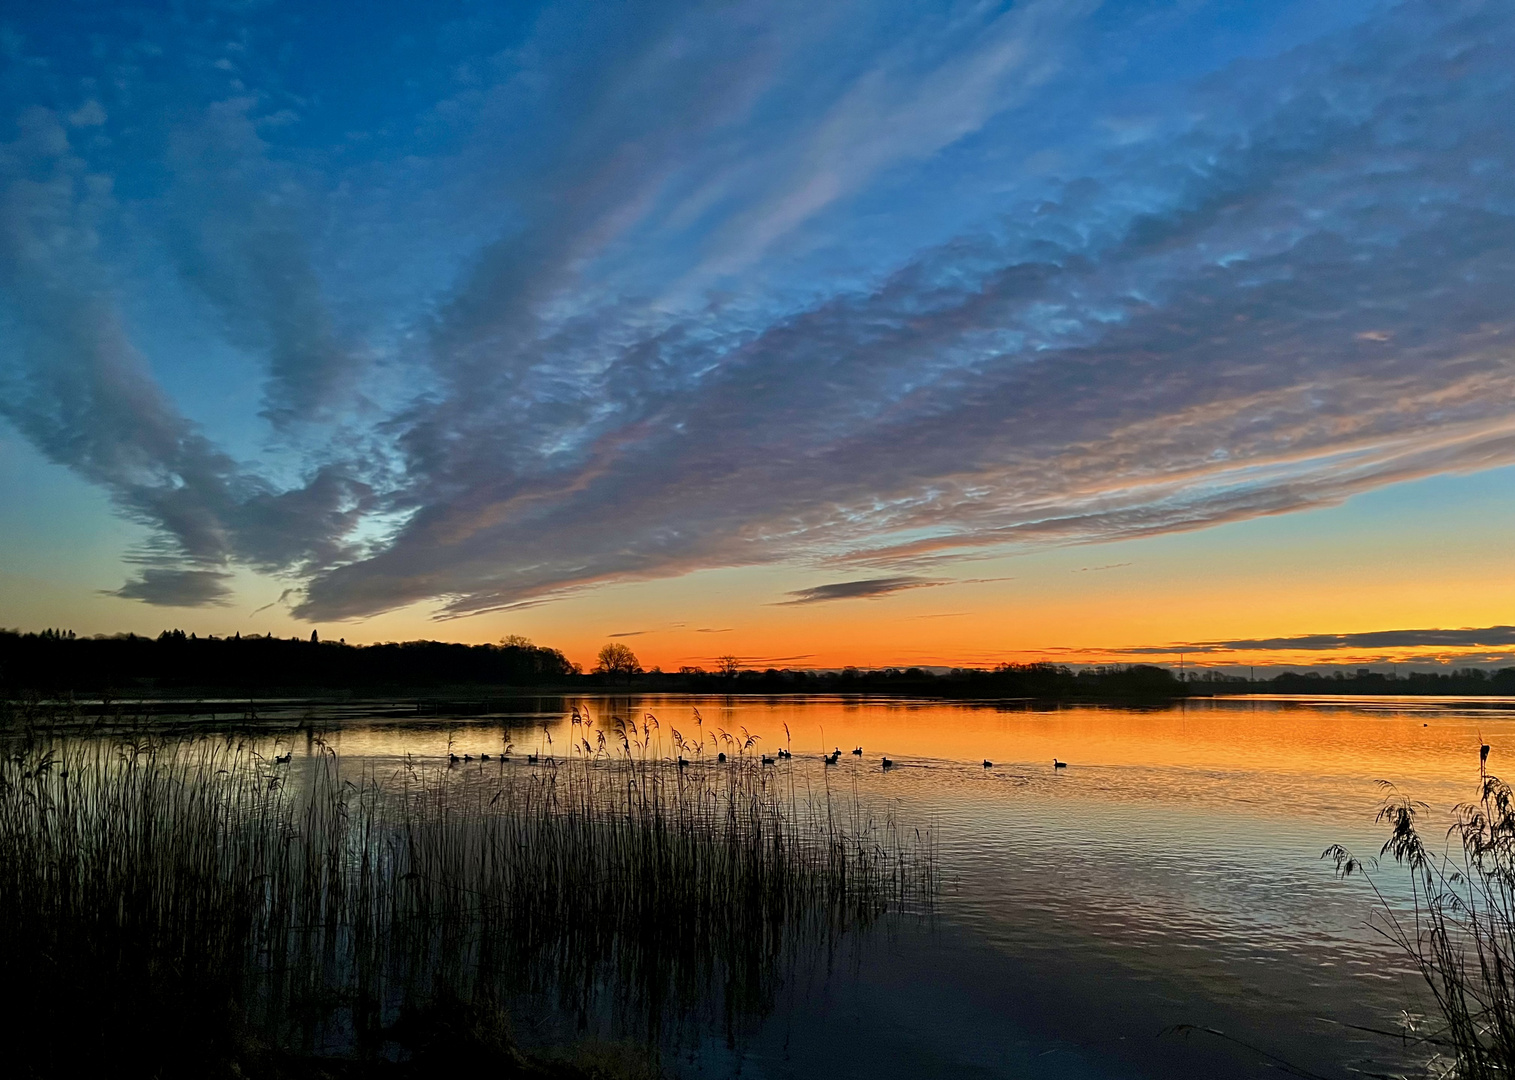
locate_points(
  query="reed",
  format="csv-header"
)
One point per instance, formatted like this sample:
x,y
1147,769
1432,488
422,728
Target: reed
x,y
1457,928
188,898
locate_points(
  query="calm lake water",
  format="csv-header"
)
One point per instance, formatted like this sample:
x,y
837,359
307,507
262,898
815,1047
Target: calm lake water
x,y
1170,875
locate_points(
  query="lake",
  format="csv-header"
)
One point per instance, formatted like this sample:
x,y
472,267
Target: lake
x,y
1169,875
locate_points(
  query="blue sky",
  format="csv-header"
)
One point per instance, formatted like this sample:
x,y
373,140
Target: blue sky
x,y
474,308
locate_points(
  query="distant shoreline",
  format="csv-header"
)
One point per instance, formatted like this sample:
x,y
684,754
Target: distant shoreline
x,y
61,667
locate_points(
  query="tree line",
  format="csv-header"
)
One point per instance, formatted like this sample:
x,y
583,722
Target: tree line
x,y
58,661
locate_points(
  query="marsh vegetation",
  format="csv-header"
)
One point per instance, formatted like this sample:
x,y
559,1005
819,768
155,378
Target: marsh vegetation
x,y
200,902
1458,930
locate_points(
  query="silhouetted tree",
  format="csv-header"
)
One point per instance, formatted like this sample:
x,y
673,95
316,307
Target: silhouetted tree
x,y
617,659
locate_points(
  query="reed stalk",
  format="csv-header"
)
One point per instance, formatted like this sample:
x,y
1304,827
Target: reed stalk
x,y
194,895
1457,928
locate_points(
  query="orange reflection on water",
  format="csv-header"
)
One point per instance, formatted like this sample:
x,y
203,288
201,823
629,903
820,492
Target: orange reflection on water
x,y
1413,742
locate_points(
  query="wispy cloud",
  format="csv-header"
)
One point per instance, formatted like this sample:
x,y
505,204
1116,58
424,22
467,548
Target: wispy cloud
x,y
857,590
743,285
1468,638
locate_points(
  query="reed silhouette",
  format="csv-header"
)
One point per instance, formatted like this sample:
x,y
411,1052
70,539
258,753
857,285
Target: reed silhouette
x,y
190,898
1459,929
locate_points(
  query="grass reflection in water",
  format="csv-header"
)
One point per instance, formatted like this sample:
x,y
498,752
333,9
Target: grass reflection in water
x,y
196,895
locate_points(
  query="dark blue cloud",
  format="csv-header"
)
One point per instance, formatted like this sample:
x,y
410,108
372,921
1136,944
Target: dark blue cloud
x,y
1492,637
856,590
602,298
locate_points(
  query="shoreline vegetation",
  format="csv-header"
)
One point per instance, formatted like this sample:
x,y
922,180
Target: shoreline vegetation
x,y
204,907
57,663
1458,928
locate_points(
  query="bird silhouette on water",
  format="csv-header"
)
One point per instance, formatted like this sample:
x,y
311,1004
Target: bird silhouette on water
x,y
988,764
888,764
721,757
1059,764
858,752
767,760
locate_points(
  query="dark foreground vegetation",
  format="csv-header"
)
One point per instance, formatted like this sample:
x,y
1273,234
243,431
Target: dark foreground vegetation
x,y
1459,929
194,908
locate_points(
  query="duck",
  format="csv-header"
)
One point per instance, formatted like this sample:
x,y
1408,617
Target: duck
x,y
858,752
483,757
888,764
532,758
785,753
767,760
988,764
833,757
1059,764
721,757
453,759
467,757
284,758
682,762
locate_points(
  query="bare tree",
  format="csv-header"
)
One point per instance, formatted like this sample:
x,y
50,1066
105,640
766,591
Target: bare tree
x,y
729,666
618,659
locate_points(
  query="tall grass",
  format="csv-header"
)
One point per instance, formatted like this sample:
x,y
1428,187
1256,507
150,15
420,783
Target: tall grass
x,y
1458,928
193,896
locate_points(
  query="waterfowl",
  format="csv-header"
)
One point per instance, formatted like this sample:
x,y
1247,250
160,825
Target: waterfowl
x,y
467,757
888,764
483,757
452,759
767,760
858,751
532,758
833,757
785,753
988,764
682,763
1059,764
721,757
284,759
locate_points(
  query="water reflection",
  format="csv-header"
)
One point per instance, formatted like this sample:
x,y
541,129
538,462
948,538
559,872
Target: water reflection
x,y
1169,875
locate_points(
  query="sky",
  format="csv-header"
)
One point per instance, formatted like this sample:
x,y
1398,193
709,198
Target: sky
x,y
812,334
